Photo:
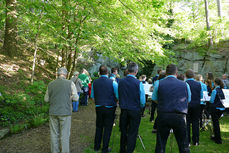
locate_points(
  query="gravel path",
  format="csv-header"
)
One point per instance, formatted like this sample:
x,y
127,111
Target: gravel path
x,y
38,140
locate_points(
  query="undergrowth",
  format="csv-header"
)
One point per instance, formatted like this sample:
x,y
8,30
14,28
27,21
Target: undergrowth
x,y
24,109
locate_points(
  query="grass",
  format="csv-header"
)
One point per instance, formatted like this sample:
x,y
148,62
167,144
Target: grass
x,y
149,139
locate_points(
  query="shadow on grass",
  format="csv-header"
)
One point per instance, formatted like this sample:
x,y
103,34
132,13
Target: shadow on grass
x,y
149,140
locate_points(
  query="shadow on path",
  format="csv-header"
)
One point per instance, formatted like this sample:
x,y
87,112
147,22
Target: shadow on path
x,y
38,140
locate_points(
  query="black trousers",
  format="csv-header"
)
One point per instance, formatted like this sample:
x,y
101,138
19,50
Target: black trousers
x,y
202,108
143,109
153,108
215,119
177,122
193,119
155,123
129,124
104,123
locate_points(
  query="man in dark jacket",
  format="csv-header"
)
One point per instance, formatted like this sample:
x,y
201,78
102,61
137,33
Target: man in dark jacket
x,y
131,100
105,94
193,116
172,96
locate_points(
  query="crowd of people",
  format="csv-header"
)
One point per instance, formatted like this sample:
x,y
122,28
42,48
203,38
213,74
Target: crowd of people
x,y
178,98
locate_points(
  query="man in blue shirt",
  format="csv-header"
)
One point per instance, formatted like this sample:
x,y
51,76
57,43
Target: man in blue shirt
x,y
114,72
193,116
131,100
172,96
225,81
105,94
156,76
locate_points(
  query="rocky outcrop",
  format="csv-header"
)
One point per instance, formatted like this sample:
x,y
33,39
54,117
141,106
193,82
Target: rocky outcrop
x,y
4,132
218,64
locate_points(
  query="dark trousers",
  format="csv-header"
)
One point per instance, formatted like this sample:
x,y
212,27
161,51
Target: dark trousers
x,y
84,97
193,118
104,123
215,119
143,109
129,124
153,108
155,123
166,122
202,110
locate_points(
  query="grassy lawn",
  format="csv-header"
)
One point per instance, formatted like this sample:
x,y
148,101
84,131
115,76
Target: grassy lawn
x,y
149,139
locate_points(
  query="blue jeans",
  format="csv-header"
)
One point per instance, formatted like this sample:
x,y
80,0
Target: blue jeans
x,y
75,104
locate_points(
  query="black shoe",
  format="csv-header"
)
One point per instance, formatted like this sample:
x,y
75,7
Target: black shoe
x,y
196,144
154,131
108,150
218,142
96,150
212,138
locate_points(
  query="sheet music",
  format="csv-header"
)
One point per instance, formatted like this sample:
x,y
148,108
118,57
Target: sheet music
x,y
226,100
147,89
205,96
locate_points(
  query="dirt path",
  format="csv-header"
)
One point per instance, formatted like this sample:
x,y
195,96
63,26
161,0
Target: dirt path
x,y
38,140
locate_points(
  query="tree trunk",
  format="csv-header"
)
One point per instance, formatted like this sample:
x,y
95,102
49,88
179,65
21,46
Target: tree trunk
x,y
10,41
63,57
219,8
74,61
210,41
69,61
34,59
57,59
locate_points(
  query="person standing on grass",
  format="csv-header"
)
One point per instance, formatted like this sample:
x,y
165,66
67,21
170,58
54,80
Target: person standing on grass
x,y
113,75
193,117
131,100
225,81
161,77
202,102
79,86
144,82
217,109
85,81
60,93
172,96
105,94
156,76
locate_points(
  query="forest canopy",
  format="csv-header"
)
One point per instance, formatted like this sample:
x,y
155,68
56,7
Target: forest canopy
x,y
125,30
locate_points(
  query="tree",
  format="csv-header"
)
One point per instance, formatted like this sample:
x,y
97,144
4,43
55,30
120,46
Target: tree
x,y
10,37
210,41
219,8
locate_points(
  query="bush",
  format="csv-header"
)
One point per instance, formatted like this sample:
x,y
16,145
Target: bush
x,y
18,128
38,120
28,106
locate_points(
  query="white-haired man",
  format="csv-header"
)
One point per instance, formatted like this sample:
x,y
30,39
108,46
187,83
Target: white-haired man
x,y
60,93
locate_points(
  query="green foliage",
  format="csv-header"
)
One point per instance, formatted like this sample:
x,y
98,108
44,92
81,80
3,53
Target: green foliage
x,y
27,106
37,91
18,128
39,120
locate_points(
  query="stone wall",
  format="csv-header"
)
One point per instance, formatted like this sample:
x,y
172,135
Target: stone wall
x,y
218,64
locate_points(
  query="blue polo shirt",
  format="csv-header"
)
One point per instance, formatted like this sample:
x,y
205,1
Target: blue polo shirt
x,y
203,88
156,85
213,95
115,86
